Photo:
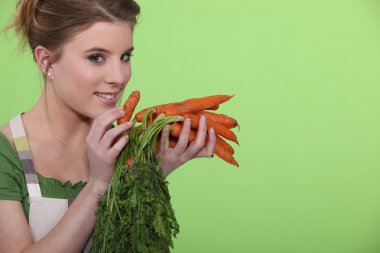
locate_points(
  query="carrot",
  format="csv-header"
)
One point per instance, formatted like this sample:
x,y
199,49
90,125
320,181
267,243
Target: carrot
x,y
196,104
219,129
176,132
225,155
223,119
196,100
161,108
214,108
140,114
129,161
129,107
194,119
224,145
172,143
222,149
158,108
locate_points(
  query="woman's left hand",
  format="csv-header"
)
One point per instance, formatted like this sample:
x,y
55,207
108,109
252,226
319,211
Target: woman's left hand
x,y
171,158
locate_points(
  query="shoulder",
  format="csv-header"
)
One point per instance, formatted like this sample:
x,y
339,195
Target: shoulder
x,y
8,153
11,172
6,131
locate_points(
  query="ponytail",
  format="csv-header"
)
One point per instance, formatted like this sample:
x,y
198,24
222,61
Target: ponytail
x,y
25,18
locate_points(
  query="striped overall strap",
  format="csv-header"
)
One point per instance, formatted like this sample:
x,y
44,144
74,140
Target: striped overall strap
x,y
25,155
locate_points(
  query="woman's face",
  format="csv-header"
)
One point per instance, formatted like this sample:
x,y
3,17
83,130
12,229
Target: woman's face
x,y
94,68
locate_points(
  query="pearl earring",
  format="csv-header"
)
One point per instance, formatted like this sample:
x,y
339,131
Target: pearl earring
x,y
49,72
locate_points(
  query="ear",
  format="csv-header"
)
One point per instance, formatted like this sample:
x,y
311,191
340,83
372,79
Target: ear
x,y
42,56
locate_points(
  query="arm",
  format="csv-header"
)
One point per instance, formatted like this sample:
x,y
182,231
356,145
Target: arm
x,y
73,230
69,235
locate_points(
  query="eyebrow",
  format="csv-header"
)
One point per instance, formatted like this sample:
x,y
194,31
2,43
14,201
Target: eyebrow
x,y
99,49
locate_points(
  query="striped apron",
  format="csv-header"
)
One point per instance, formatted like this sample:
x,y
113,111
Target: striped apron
x,y
44,213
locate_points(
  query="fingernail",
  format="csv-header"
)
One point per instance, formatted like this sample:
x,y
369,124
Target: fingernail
x,y
203,118
212,130
188,122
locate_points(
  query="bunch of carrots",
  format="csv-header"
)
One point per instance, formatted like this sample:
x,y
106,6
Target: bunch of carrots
x,y
136,211
191,109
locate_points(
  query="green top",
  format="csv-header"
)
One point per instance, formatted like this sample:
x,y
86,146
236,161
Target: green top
x,y
13,183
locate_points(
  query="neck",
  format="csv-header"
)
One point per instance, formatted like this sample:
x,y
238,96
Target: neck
x,y
50,119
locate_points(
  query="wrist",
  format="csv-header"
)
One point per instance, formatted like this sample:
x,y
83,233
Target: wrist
x,y
97,188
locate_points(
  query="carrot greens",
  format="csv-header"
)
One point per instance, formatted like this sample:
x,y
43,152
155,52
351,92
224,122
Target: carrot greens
x,y
135,214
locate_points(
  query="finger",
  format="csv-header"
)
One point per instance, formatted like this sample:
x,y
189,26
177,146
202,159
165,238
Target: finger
x,y
198,144
183,139
101,123
209,149
110,136
164,143
118,146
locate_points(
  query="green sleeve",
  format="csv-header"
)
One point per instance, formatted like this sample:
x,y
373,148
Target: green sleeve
x,y
11,175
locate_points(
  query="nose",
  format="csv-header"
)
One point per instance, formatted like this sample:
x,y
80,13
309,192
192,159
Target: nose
x,y
118,73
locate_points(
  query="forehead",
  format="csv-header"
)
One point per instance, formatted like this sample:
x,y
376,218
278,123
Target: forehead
x,y
115,36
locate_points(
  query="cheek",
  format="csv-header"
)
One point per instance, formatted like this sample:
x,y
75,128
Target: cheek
x,y
128,73
83,77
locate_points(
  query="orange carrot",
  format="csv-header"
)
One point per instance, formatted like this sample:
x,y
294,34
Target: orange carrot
x,y
176,131
129,161
172,143
214,108
196,104
223,119
194,119
225,155
222,149
129,106
158,108
196,100
224,145
140,114
218,128
161,108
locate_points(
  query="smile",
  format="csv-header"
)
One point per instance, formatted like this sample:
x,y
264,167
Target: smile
x,y
105,96
107,99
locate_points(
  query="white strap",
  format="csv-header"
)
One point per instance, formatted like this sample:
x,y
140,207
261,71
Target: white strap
x,y
25,156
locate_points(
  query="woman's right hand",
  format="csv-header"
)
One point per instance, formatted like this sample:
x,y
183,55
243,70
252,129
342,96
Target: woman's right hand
x,y
103,147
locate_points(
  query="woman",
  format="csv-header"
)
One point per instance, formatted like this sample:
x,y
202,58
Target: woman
x,y
57,159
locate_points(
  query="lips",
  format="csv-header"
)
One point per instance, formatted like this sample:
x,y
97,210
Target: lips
x,y
107,98
106,95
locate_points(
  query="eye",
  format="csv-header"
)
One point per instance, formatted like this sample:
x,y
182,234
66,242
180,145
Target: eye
x,y
96,58
126,57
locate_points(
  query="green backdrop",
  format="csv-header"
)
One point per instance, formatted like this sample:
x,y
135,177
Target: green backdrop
x,y
305,75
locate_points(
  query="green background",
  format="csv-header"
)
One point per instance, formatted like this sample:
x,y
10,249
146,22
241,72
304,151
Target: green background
x,y
305,75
